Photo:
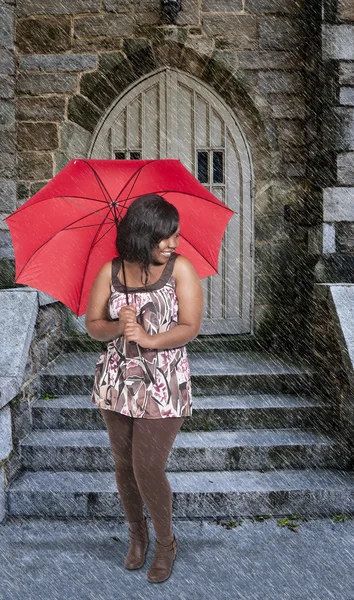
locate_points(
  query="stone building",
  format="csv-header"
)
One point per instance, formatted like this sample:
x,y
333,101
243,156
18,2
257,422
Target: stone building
x,y
256,97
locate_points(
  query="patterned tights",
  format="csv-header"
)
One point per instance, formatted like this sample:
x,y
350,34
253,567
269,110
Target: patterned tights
x,y
140,449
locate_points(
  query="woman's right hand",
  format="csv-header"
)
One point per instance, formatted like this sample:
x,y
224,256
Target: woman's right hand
x,y
127,314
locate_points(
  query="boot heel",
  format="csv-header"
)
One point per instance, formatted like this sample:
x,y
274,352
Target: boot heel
x,y
162,563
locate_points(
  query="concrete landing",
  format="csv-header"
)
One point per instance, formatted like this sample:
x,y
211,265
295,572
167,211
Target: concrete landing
x,y
42,559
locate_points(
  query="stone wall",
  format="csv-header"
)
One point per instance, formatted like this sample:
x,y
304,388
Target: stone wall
x,y
332,313
32,329
337,263
74,57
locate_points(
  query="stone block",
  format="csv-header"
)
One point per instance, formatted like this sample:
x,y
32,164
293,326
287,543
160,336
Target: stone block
x,y
222,6
37,108
7,141
338,42
275,82
46,84
345,10
7,196
344,132
328,238
202,46
6,26
226,24
345,168
117,69
53,7
346,73
190,15
37,136
290,133
7,86
97,89
7,165
35,165
228,60
7,115
74,139
54,63
287,106
7,61
270,59
6,433
346,96
281,33
2,495
344,237
44,35
83,112
105,25
338,204
275,6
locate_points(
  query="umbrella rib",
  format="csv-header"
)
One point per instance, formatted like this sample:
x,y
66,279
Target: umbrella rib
x,y
99,180
85,268
67,228
135,174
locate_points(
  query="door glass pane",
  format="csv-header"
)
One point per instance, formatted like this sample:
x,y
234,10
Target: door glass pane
x,y
218,167
135,155
203,167
119,155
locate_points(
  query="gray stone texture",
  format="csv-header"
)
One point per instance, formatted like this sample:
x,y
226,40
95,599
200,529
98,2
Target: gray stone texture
x,y
281,33
7,86
44,35
345,10
275,82
7,61
338,42
7,115
222,6
190,15
105,25
287,106
345,168
6,26
6,433
40,108
46,84
344,140
346,73
53,63
229,24
269,59
274,6
7,165
7,142
53,7
7,196
344,237
338,204
83,112
290,133
35,165
346,96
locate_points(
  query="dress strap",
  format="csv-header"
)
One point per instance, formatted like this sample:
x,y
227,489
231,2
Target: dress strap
x,y
169,268
115,270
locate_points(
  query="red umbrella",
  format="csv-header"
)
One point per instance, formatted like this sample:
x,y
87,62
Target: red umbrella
x,y
67,231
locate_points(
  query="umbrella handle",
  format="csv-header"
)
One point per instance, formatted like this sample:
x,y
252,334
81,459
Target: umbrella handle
x,y
126,290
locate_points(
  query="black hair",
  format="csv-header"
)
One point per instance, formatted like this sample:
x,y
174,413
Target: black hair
x,y
148,220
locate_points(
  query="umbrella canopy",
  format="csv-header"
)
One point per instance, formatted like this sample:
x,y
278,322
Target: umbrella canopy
x,y
67,231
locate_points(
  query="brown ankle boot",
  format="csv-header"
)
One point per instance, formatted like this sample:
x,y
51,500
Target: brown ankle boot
x,y
162,563
139,541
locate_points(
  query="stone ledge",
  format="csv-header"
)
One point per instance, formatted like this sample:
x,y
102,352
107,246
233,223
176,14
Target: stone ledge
x,y
54,63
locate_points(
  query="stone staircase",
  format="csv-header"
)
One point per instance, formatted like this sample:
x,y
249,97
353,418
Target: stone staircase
x,y
258,442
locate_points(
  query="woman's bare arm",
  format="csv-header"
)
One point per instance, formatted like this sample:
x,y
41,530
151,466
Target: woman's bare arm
x,y
98,324
189,293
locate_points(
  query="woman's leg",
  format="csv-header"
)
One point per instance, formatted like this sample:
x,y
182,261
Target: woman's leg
x,y
120,432
152,443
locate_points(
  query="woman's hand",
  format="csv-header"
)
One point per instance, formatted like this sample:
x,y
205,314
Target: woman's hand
x,y
127,314
133,332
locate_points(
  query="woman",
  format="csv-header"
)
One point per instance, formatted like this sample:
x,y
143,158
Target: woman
x,y
147,303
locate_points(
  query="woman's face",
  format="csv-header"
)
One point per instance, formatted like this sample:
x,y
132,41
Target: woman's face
x,y
162,252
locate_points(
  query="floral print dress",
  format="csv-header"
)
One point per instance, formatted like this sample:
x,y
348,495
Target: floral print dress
x,y
139,382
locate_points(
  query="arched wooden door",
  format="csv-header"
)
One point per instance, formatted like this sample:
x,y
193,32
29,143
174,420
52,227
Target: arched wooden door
x,y
171,114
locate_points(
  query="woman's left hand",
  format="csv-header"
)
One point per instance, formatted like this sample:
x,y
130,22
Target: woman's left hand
x,y
133,332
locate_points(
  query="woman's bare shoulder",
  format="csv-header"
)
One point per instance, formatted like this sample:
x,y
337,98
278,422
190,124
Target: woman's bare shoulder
x,y
183,267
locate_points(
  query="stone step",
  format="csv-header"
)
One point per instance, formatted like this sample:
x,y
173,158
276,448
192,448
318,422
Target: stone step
x,y
209,412
191,451
213,373
206,494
